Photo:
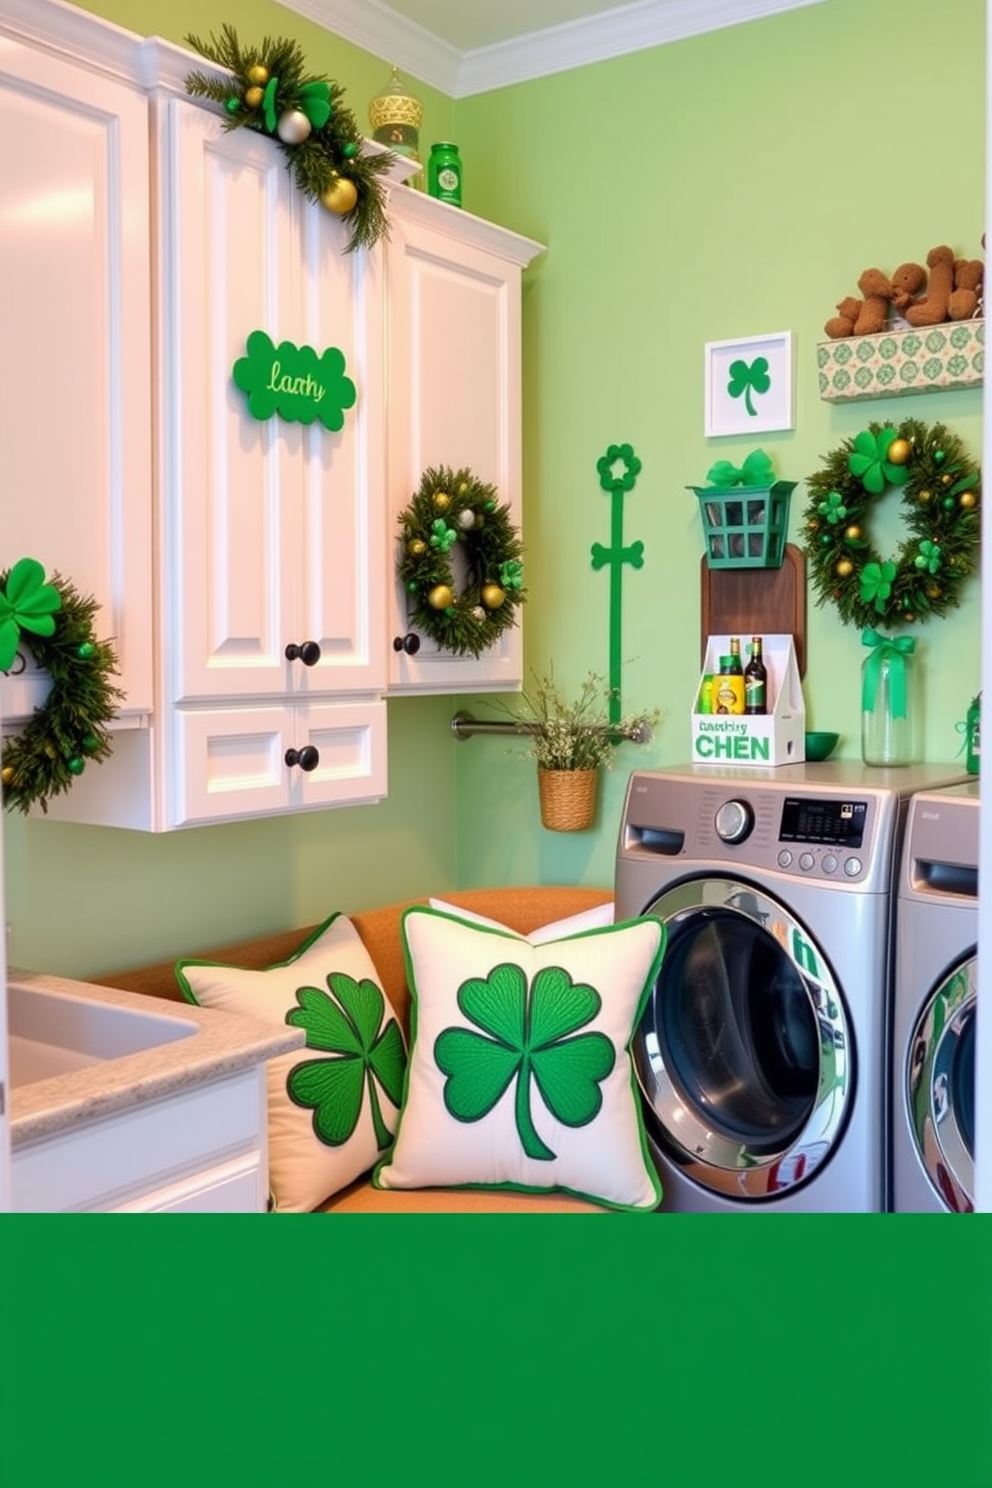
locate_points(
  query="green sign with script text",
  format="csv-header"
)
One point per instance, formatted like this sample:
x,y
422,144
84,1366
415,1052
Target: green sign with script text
x,y
294,382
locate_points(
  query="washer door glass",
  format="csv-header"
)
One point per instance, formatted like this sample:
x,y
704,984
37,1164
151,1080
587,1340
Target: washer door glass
x,y
743,1052
941,1086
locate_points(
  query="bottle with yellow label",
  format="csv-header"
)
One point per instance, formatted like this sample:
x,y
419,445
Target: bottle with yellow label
x,y
728,686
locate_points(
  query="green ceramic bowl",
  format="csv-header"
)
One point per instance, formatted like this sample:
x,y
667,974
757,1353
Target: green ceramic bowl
x,y
820,746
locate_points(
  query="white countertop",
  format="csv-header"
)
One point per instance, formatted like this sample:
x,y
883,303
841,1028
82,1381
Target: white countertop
x,y
223,1044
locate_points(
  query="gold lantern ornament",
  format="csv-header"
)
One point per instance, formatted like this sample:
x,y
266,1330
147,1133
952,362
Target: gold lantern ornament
x,y
396,116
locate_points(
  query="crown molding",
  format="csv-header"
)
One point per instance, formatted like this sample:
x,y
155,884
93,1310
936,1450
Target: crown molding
x,y
377,28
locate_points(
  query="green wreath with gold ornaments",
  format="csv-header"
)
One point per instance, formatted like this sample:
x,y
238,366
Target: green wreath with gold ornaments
x,y
453,510
52,621
272,92
941,501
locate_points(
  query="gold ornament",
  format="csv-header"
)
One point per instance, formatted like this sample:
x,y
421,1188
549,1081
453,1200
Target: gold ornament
x,y
257,74
924,497
492,596
340,196
898,452
464,488
440,597
442,500
934,592
7,774
254,96
945,480
967,499
416,547
853,533
845,567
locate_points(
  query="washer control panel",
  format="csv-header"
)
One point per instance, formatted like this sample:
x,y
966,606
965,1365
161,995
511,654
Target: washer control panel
x,y
823,837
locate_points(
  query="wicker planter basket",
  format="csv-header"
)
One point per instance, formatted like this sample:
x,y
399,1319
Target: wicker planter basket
x,y
568,799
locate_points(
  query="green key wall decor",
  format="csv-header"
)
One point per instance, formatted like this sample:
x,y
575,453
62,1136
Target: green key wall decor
x,y
294,382
618,470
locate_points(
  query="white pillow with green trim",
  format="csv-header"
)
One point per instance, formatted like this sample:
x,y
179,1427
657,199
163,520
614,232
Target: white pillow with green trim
x,y
520,1072
333,1105
586,919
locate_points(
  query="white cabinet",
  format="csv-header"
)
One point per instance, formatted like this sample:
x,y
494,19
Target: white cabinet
x,y
203,1149
454,370
75,375
271,532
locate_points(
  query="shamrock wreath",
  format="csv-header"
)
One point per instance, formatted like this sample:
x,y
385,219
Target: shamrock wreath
x,y
453,511
54,623
941,488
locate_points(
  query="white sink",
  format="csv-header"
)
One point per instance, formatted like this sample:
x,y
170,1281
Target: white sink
x,y
52,1033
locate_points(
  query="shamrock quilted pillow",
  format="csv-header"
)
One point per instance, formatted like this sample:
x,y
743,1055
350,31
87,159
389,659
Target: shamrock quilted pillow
x,y
520,1070
333,1105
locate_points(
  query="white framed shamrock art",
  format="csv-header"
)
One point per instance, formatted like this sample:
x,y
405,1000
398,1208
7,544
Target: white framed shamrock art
x,y
750,385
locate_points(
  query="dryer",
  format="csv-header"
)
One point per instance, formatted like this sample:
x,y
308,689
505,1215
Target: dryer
x,y
934,1005
762,1052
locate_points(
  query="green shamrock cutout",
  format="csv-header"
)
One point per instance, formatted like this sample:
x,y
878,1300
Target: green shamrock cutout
x,y
294,382
442,536
348,1023
618,454
833,508
929,556
27,603
745,376
876,584
869,464
529,1038
511,574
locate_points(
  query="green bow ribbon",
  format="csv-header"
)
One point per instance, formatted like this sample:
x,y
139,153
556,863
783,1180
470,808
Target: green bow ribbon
x,y
27,603
756,471
314,100
833,508
442,536
511,574
929,556
894,650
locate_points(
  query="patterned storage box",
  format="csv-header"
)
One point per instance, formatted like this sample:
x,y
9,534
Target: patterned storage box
x,y
902,361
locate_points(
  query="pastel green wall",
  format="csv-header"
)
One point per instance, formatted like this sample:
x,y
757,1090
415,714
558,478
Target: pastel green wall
x,y
727,185
722,186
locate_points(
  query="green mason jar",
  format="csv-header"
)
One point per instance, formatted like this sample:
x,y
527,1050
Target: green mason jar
x,y
444,174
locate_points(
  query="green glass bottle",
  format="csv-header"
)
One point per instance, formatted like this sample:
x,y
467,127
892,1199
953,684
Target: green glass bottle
x,y
444,173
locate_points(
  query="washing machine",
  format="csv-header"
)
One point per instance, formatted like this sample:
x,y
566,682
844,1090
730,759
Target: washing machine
x,y
762,1053
934,1005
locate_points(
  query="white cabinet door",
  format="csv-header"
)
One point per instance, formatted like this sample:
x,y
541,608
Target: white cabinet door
x,y
75,375
454,286
278,757
273,529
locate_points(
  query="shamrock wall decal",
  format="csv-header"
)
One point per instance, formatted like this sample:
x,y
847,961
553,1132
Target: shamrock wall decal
x,y
347,1023
526,1035
747,375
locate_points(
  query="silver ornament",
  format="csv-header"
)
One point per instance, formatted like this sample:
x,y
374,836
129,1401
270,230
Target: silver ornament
x,y
478,613
466,519
293,127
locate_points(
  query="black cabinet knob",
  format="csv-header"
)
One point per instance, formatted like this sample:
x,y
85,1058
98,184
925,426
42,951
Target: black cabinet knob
x,y
308,653
308,758
410,643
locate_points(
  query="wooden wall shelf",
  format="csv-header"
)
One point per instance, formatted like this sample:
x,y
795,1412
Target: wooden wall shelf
x,y
755,601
